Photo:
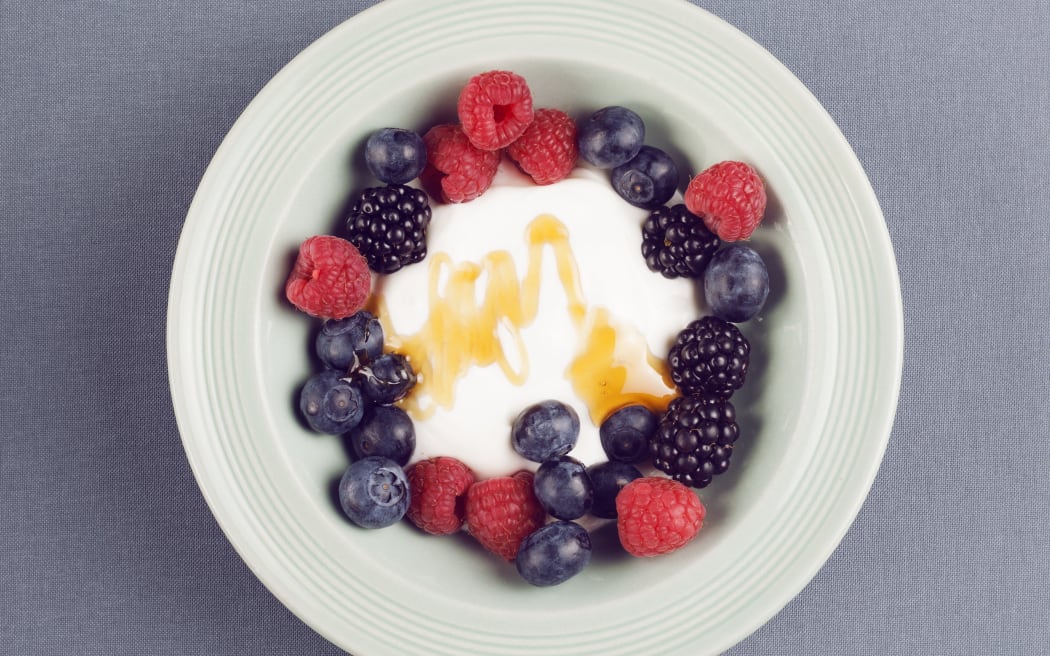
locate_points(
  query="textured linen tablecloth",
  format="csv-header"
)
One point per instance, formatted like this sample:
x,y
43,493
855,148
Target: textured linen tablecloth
x,y
109,113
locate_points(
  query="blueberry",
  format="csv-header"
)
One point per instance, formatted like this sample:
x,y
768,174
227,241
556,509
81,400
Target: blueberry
x,y
608,478
331,403
387,431
373,492
346,344
386,379
545,430
736,283
554,553
625,434
563,488
648,180
611,137
395,156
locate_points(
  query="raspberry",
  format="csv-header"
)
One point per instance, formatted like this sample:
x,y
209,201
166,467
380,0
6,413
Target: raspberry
x,y
709,355
657,516
330,279
501,512
438,487
456,171
729,197
547,149
494,108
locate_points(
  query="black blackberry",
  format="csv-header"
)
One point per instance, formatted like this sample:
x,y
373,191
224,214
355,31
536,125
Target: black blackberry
x,y
676,243
389,226
694,440
709,355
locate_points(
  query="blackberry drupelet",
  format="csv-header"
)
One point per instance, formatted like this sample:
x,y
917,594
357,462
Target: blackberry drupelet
x,y
389,226
694,440
676,243
709,355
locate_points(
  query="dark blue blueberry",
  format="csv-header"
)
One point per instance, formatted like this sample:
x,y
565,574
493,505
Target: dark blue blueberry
x,y
611,137
736,283
385,430
608,478
545,430
346,344
331,403
554,553
386,379
395,156
563,488
649,180
625,434
373,492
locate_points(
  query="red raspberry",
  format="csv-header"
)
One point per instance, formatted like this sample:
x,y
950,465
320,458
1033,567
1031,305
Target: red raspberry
x,y
494,108
438,486
547,149
656,516
330,278
729,197
456,170
501,512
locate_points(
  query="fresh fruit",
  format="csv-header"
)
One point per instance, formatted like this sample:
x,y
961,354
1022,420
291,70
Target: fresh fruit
x,y
502,511
730,197
346,344
657,516
457,171
494,109
546,151
389,226
385,430
330,403
608,478
374,492
330,278
709,355
736,283
676,243
611,136
395,156
625,433
694,441
385,379
648,180
545,430
439,487
563,488
554,553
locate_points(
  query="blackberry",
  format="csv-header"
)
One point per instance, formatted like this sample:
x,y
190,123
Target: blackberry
x,y
676,243
694,440
709,355
389,226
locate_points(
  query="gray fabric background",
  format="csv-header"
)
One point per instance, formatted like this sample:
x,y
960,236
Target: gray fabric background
x,y
109,113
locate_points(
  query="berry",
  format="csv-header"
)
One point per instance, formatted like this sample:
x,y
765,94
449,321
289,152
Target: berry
x,y
554,553
545,430
676,243
439,487
608,478
502,511
395,156
494,109
331,403
457,170
389,226
736,283
374,492
709,355
611,136
730,197
385,430
657,516
648,180
386,379
625,433
546,151
695,439
346,344
330,278
563,488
